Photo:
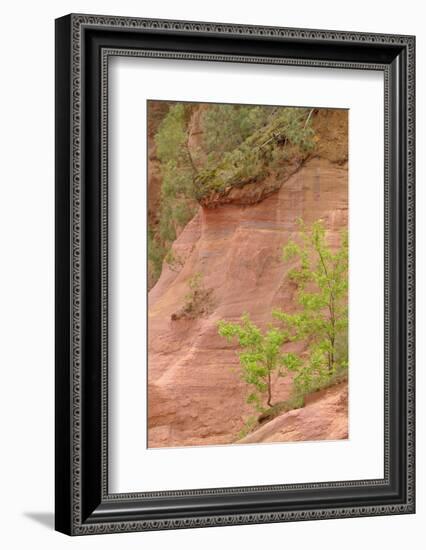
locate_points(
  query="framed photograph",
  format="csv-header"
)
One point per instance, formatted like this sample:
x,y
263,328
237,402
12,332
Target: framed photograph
x,y
234,274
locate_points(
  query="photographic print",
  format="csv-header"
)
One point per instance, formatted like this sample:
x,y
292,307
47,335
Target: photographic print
x,y
247,274
220,288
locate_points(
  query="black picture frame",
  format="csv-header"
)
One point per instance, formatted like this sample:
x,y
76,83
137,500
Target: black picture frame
x,y
83,45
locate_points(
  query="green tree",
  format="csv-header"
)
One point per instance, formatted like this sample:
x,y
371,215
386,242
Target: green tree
x,y
261,357
321,277
178,205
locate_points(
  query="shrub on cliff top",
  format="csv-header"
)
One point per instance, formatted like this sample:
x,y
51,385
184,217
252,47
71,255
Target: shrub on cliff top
x,y
254,157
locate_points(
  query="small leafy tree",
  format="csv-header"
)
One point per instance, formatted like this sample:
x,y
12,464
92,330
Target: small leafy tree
x,y
261,356
321,277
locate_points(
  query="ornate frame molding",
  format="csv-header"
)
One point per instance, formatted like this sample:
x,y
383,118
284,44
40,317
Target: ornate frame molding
x,y
72,517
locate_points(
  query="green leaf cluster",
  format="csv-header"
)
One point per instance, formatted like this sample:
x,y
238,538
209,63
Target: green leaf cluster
x,y
321,276
261,356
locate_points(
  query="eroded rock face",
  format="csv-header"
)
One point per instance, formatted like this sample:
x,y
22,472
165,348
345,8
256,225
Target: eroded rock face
x,y
195,393
324,417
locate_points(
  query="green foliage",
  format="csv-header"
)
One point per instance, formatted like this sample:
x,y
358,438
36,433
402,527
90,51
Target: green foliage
x,y
261,356
172,149
174,261
156,254
294,125
263,149
226,127
198,300
243,144
177,190
321,276
295,401
249,425
299,393
195,283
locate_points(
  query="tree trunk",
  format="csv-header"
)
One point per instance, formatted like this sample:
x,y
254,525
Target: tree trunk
x,y
332,352
269,390
333,334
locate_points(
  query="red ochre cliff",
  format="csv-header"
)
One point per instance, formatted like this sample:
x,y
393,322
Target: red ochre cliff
x,y
195,393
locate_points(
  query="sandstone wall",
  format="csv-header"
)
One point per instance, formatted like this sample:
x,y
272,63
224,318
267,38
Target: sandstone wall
x,y
195,392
